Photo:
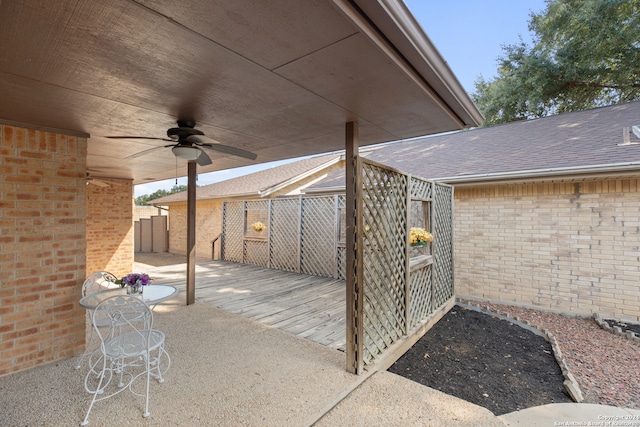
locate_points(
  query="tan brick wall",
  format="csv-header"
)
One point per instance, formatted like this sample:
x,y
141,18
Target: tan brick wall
x,y
110,227
208,227
570,247
42,246
144,212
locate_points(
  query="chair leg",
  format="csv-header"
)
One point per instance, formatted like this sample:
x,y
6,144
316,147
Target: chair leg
x,y
148,366
157,364
97,391
87,347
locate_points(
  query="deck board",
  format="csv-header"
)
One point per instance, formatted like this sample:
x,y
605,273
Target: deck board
x,y
308,306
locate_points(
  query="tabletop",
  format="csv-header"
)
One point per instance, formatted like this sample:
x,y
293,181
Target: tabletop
x,y
152,295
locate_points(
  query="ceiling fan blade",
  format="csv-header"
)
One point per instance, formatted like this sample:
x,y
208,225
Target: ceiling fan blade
x,y
222,148
203,159
139,137
230,150
93,181
143,152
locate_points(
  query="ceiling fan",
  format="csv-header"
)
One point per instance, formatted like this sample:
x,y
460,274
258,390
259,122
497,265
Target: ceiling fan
x,y
187,144
92,181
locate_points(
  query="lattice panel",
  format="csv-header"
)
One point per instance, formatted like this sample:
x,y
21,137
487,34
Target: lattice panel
x,y
419,296
341,250
384,253
256,252
232,231
419,214
285,234
341,259
318,248
443,244
421,189
256,211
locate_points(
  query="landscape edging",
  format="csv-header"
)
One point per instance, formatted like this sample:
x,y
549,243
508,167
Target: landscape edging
x,y
570,383
616,330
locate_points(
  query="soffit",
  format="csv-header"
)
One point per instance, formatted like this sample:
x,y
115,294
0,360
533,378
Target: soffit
x,y
279,78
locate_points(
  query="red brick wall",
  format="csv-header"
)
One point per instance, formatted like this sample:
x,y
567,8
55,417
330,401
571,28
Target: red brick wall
x,y
42,246
110,227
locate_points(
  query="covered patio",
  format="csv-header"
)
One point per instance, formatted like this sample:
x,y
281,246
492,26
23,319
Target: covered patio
x,y
95,90
229,370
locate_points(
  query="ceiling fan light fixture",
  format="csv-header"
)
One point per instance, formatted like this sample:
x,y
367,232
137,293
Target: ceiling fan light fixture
x,y
186,152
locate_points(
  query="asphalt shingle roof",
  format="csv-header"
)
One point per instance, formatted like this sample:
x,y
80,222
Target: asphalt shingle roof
x,y
252,185
578,139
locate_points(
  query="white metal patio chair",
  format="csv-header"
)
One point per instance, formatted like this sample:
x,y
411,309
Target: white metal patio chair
x,y
130,349
95,282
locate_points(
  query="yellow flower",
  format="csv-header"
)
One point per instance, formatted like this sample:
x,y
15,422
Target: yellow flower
x,y
258,226
418,236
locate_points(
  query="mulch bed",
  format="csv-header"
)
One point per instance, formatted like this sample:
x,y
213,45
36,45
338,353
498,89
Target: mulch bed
x,y
485,360
624,326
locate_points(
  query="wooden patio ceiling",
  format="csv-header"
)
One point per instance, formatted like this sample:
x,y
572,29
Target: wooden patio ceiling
x,y
279,78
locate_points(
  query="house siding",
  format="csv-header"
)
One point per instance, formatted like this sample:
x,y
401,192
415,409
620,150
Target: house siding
x,y
570,247
208,227
42,246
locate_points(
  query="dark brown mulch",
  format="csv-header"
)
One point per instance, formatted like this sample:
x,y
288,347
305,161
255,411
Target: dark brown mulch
x,y
485,360
624,326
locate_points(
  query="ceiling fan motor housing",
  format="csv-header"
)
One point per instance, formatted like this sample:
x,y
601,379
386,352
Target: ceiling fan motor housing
x,y
184,130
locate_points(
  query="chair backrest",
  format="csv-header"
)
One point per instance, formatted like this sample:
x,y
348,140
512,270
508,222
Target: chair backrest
x,y
124,322
98,281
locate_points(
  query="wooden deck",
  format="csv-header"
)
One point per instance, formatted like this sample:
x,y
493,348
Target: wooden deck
x,y
308,306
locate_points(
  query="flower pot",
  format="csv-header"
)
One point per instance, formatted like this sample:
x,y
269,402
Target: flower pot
x,y
135,290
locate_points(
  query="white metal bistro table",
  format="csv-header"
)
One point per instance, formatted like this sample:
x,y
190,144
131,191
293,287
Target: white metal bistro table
x,y
151,295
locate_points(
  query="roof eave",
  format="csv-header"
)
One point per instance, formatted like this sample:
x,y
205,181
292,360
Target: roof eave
x,y
270,190
578,172
394,20
617,170
252,195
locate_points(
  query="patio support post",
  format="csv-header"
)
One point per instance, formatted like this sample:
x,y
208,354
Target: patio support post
x,y
354,295
191,233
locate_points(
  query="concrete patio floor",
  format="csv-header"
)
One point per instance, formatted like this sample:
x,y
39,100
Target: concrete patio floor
x,y
230,371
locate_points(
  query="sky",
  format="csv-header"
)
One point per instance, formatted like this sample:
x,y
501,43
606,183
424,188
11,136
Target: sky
x,y
469,34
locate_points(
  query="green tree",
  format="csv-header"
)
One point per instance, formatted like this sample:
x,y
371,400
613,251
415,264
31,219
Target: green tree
x,y
146,198
585,54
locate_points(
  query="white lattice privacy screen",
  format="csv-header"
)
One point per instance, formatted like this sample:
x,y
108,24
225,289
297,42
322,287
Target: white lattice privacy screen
x,y
301,234
404,288
402,285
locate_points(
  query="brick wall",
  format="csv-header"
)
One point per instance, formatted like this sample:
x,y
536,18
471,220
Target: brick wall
x,y
569,247
42,246
110,227
208,226
143,212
